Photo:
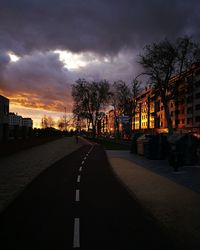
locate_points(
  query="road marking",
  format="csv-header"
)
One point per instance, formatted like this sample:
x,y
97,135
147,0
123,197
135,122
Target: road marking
x,y
85,158
91,149
80,169
82,162
78,178
77,195
76,242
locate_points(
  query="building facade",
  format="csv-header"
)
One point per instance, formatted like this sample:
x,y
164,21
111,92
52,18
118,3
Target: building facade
x,y
27,122
4,118
15,120
19,127
184,108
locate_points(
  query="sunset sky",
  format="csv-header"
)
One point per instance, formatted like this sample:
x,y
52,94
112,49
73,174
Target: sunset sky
x,y
46,45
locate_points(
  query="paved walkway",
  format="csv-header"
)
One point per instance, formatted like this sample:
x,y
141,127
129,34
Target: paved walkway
x,y
153,183
17,170
188,176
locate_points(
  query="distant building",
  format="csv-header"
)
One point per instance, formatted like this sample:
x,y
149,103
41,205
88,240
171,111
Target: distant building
x,y
27,122
15,120
4,118
19,126
111,122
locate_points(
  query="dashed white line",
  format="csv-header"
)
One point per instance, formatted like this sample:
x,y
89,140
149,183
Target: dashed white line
x,y
85,158
82,162
90,149
80,169
76,242
77,195
78,178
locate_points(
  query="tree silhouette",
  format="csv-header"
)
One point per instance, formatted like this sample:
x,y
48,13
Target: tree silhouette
x,y
163,60
89,99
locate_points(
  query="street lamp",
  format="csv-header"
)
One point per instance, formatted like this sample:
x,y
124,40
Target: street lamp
x,y
65,118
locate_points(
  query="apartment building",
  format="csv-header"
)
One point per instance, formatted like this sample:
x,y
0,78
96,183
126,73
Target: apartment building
x,y
19,126
144,118
184,110
4,118
111,122
15,120
27,122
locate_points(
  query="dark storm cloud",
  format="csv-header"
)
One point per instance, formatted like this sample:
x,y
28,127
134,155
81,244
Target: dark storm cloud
x,y
38,81
102,26
112,29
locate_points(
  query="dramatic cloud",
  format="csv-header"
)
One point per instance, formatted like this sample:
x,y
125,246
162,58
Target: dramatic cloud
x,y
92,25
59,41
38,80
42,81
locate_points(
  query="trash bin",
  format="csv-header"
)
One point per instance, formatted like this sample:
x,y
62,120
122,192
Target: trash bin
x,y
140,144
182,150
191,154
134,142
155,147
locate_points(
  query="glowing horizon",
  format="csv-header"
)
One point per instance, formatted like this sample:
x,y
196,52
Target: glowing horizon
x,y
37,114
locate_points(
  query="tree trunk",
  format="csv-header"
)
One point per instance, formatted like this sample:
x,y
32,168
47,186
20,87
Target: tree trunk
x,y
116,121
134,119
168,117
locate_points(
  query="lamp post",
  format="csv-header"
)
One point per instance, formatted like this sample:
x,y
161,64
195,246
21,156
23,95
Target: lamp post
x,y
65,119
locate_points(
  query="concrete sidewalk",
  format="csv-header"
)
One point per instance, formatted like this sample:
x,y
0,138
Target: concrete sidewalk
x,y
18,170
175,207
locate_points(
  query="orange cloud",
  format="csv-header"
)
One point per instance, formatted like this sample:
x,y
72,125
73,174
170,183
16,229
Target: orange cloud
x,y
30,100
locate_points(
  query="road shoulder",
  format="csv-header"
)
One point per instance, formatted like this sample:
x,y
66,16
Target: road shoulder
x,y
174,206
18,170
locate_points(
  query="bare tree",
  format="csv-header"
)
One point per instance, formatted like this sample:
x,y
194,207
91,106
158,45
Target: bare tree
x,y
62,123
122,104
188,53
89,99
163,60
47,122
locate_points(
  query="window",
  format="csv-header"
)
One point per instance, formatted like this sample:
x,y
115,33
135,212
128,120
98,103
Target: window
x,y
189,99
197,96
197,84
189,110
157,106
197,72
177,122
189,120
197,107
172,105
183,121
197,119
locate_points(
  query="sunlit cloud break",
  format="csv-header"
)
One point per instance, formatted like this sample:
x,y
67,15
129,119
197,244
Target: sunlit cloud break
x,y
13,57
70,60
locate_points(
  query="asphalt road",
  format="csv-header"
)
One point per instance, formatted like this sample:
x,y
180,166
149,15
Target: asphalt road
x,y
79,203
